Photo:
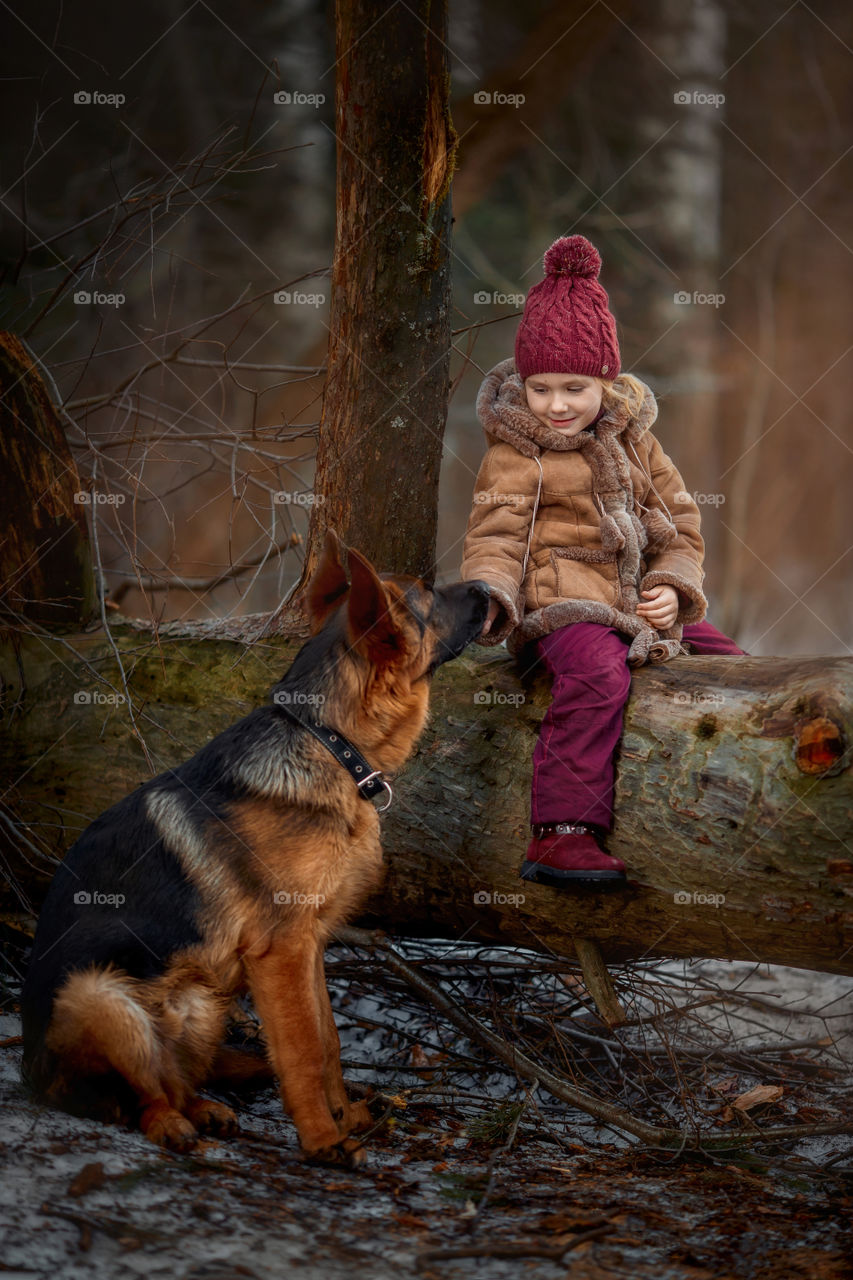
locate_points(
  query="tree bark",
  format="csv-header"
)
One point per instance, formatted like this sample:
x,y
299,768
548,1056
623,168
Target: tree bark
x,y
733,792
45,558
385,402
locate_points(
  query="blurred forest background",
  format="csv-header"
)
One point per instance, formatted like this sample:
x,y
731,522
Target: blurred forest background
x,y
168,222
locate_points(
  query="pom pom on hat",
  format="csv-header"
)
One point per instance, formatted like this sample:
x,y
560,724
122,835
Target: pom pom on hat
x,y
572,256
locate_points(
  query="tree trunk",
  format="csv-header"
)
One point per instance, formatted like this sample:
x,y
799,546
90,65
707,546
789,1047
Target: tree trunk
x,y
784,345
385,403
733,799
542,71
45,559
680,187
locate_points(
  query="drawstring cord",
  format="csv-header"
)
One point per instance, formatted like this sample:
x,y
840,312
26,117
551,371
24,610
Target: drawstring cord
x,y
652,483
597,499
532,521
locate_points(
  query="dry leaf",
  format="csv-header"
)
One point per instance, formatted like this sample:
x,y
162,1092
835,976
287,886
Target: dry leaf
x,y
90,1178
725,1086
761,1093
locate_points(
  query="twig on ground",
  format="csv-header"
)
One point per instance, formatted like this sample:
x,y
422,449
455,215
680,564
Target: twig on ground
x,y
513,1249
606,1112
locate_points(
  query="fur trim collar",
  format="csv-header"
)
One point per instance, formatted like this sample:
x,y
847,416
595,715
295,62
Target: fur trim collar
x,y
502,408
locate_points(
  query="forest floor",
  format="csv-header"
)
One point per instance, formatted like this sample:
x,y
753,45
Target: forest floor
x,y
471,1172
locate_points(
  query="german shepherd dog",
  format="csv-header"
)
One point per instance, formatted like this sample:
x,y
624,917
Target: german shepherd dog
x,y
230,873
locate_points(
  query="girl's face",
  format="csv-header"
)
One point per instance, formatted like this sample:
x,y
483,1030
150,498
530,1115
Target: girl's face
x,y
565,401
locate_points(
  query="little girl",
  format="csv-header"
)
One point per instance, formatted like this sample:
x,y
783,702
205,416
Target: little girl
x,y
590,546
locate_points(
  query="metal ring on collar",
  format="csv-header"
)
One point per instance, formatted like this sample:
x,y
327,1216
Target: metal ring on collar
x,y
377,773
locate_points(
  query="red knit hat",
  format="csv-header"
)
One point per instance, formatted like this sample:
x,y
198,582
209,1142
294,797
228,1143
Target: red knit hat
x,y
566,326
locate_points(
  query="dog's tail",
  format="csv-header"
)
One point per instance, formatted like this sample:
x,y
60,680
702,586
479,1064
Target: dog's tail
x,y
239,1068
99,1027
106,1024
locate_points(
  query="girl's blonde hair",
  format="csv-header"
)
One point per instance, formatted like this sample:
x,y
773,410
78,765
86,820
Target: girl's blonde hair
x,y
626,392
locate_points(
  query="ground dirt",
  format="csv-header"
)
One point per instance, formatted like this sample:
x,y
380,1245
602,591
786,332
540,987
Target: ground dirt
x,y
80,1199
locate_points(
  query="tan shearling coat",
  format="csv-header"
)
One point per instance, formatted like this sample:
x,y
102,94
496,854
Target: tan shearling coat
x,y
570,529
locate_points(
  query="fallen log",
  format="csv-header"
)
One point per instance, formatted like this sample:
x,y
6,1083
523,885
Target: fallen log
x,y
733,798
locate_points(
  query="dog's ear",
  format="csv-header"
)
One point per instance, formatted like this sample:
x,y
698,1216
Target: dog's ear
x,y
328,584
371,623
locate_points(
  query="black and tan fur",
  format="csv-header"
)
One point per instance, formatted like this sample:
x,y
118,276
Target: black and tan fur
x,y
234,869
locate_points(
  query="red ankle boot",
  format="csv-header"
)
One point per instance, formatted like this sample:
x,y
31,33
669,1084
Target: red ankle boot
x,y
566,854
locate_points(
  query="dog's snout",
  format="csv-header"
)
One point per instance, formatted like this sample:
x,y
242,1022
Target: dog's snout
x,y
457,619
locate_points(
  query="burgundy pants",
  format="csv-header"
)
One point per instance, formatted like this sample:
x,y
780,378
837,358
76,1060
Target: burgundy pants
x,y
573,770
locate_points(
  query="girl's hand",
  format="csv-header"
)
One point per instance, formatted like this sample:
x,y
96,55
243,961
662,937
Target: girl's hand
x,y
661,608
494,610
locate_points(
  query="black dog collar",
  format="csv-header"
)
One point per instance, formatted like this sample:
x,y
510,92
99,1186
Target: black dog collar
x,y
369,781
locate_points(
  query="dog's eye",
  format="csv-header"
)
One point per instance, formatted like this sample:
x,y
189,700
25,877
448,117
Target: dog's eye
x,y
419,600
419,619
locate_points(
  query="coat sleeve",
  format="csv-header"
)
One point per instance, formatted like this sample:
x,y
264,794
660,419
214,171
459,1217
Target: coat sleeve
x,y
680,564
498,529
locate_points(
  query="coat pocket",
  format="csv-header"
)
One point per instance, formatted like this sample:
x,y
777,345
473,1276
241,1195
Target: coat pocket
x,y
540,583
595,577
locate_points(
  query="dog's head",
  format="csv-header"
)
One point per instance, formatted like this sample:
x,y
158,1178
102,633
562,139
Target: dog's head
x,y
376,641
396,623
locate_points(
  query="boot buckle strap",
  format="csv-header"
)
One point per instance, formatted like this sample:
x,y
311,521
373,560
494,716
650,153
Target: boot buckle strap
x,y
560,829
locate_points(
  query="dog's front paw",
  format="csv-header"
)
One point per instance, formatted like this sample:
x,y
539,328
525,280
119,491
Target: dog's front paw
x,y
349,1152
168,1128
213,1118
